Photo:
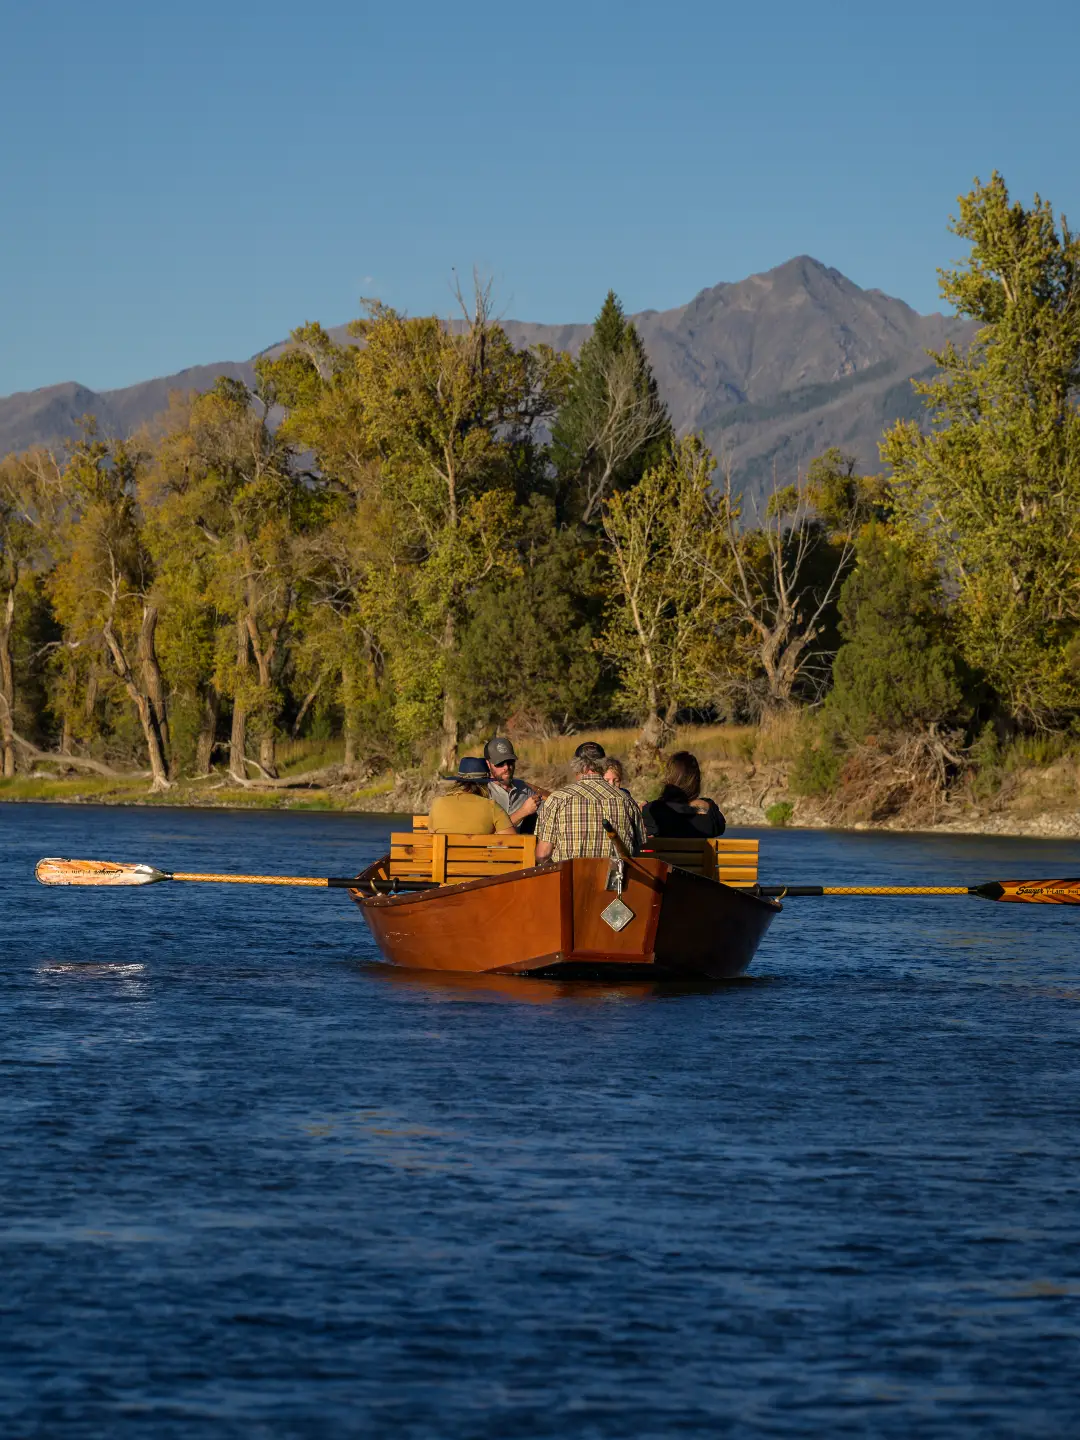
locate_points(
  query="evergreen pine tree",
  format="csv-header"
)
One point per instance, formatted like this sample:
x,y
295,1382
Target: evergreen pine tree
x,y
613,425
898,670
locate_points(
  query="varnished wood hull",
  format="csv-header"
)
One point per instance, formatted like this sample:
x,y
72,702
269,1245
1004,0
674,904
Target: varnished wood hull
x,y
547,921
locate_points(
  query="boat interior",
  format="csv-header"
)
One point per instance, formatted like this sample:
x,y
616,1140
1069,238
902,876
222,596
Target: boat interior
x,y
419,859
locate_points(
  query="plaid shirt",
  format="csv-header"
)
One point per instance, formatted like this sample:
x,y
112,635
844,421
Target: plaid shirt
x,y
570,820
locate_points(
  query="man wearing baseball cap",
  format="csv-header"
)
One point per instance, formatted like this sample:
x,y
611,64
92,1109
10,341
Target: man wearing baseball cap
x,y
520,801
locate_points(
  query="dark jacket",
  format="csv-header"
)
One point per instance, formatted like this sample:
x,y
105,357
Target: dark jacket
x,y
673,815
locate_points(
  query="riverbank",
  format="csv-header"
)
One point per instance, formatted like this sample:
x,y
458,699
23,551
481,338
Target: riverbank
x,y
747,769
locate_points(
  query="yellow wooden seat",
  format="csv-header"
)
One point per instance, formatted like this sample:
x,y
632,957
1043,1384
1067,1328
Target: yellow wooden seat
x,y
419,855
735,862
451,859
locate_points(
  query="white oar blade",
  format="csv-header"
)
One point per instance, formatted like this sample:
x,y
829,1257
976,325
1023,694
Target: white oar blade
x,y
95,872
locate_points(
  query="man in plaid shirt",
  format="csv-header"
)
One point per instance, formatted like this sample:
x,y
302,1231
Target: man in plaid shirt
x,y
570,824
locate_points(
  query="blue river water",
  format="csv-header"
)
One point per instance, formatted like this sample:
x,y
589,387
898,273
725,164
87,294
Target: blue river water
x,y
254,1183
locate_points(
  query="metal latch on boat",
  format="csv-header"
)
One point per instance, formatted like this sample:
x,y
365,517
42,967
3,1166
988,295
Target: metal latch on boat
x,y
618,914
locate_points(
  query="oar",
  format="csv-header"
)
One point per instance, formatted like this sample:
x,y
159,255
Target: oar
x,y
1037,892
107,872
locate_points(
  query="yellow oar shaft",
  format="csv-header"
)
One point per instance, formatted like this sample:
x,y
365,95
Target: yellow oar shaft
x,y
895,890
310,880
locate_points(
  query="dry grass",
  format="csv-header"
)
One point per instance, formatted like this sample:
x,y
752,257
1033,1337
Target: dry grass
x,y
774,740
719,748
294,757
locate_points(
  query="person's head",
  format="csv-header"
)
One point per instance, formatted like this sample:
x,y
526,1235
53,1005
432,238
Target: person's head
x,y
588,759
500,757
613,771
471,777
684,773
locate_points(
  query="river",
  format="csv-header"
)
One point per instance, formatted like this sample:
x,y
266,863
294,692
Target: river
x,y
256,1184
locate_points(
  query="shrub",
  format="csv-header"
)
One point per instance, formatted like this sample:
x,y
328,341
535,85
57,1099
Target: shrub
x,y
818,767
780,813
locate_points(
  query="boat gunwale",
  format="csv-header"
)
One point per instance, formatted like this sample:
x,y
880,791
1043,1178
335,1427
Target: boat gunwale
x,y
435,890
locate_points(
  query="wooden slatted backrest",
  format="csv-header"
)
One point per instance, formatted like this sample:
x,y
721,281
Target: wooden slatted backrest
x,y
450,859
419,822
735,862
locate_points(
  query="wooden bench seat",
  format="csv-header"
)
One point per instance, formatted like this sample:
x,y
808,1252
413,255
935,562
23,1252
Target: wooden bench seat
x,y
735,862
450,859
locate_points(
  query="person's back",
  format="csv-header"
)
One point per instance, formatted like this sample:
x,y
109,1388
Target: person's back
x,y
680,812
468,810
571,821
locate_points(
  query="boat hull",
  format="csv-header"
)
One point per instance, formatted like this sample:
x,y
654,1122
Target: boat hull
x,y
548,921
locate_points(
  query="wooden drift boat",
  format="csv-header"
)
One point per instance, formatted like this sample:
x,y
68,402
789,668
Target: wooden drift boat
x,y
478,904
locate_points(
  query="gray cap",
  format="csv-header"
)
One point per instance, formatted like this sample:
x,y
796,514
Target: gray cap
x,y
499,750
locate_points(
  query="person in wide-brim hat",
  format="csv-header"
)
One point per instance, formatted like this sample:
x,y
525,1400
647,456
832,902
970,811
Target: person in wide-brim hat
x,y
470,771
468,809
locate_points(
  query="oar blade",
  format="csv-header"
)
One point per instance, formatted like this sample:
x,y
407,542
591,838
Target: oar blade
x,y
53,871
1031,892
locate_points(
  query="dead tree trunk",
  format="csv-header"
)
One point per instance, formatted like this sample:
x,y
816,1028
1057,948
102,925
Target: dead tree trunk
x,y
153,684
204,746
7,685
264,661
144,707
238,737
348,702
449,756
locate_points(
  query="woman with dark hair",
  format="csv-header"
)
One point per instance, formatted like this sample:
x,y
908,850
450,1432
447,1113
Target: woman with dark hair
x,y
681,810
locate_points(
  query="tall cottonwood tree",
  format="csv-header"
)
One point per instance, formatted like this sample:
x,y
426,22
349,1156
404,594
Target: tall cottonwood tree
x,y
665,542
433,426
781,577
102,583
227,490
990,496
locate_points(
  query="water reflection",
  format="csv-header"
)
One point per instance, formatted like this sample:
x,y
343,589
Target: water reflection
x,y
449,985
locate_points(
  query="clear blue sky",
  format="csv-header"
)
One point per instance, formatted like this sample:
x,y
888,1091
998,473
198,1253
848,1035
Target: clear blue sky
x,y
184,184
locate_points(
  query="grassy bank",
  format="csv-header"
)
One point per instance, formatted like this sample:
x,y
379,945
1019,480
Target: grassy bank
x,y
1029,787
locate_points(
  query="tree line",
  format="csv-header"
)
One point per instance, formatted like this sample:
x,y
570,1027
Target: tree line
x,y
426,533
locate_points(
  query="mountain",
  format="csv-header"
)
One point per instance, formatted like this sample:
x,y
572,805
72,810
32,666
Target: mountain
x,y
772,370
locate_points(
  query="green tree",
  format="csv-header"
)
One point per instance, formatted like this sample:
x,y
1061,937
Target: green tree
x,y
230,513
102,584
887,736
991,495
432,429
26,482
613,426
527,649
898,669
666,545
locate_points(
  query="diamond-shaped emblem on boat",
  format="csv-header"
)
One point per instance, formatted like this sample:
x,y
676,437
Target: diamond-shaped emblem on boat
x,y
618,914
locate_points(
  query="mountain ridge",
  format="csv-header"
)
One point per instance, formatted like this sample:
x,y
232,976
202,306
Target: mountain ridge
x,y
772,369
